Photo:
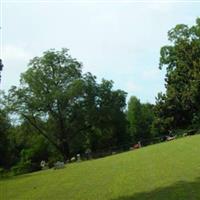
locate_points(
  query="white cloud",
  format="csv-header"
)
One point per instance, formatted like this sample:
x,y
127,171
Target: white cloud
x,y
152,73
132,87
161,6
15,53
15,59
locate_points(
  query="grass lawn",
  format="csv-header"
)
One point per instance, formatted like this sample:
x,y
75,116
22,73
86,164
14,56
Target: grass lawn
x,y
167,171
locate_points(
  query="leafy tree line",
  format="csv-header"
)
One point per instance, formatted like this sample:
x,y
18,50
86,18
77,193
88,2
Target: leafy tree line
x,y
62,111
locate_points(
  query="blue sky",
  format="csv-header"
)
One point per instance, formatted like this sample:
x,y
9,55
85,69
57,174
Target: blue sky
x,y
116,40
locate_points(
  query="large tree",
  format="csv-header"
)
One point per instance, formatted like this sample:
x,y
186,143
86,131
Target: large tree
x,y
61,103
179,106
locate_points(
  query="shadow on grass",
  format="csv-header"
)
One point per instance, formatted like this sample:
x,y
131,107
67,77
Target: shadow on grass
x,y
179,191
15,177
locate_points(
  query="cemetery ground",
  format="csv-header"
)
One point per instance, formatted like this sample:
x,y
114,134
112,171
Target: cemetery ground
x,y
170,170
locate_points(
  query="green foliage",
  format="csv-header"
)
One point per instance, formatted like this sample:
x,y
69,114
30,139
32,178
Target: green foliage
x,y
140,117
4,141
134,117
29,155
179,106
2,172
110,121
147,121
25,164
65,106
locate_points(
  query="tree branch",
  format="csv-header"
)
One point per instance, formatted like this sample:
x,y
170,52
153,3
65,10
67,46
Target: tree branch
x,y
41,131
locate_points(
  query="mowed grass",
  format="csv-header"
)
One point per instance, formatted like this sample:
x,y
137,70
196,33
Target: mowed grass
x,y
167,171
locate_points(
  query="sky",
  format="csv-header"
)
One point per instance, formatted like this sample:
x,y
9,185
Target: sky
x,y
116,40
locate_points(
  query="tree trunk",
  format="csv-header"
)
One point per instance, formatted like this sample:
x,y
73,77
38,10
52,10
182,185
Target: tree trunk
x,y
64,150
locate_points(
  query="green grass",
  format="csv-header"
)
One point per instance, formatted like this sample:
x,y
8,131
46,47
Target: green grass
x,y
167,171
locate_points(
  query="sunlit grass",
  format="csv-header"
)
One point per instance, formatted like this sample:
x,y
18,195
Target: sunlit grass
x,y
169,170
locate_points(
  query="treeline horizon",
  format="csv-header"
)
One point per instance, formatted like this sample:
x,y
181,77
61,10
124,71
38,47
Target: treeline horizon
x,y
62,111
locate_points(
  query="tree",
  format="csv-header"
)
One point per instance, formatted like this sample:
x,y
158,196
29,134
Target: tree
x,y
4,140
140,117
147,122
61,103
1,67
134,115
179,106
110,122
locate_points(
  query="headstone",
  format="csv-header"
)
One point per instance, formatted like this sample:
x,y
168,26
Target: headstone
x,y
44,165
59,165
88,153
139,144
78,157
73,159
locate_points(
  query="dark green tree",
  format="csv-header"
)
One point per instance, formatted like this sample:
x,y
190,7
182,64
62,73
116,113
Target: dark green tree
x,y
147,122
179,106
110,121
4,139
134,116
140,117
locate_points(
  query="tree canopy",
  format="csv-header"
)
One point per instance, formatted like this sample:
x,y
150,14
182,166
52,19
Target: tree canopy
x,y
63,104
179,106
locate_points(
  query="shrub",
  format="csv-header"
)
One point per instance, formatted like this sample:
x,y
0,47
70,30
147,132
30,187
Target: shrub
x,y
22,167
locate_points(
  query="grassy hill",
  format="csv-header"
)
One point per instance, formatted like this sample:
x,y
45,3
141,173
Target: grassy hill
x,y
167,171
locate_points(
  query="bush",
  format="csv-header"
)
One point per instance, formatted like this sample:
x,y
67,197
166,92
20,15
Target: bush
x,y
24,165
22,168
2,172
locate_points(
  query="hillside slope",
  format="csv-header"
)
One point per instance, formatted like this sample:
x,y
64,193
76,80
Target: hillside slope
x,y
164,171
